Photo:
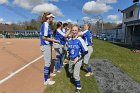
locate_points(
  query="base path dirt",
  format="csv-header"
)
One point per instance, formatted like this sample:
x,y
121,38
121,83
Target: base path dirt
x,y
29,80
14,54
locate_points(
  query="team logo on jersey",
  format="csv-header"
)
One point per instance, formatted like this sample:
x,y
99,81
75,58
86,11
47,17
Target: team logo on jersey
x,y
73,46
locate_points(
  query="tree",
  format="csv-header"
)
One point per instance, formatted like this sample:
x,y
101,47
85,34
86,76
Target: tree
x,y
33,23
109,25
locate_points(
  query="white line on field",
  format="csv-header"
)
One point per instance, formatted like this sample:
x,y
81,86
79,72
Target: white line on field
x,y
19,70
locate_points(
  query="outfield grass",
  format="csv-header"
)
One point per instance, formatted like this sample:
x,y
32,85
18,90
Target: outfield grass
x,y
124,58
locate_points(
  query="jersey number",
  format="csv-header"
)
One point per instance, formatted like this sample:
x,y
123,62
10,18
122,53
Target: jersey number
x,y
72,51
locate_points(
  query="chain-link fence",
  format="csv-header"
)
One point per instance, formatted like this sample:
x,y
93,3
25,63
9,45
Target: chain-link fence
x,y
19,34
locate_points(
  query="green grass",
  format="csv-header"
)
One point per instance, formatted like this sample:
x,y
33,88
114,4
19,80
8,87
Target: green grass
x,y
63,85
124,58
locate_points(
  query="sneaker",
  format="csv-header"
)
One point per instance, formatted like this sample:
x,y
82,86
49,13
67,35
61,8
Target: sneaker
x,y
88,74
52,74
64,63
77,91
79,88
58,71
49,82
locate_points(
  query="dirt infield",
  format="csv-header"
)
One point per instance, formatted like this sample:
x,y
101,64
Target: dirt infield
x,y
14,54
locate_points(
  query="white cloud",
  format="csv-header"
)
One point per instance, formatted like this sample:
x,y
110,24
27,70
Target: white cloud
x,y
8,22
1,20
118,22
107,1
3,1
27,4
39,6
113,17
96,7
86,19
90,20
69,20
53,0
46,7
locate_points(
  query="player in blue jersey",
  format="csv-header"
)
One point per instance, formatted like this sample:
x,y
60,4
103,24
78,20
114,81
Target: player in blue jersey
x,y
77,50
60,36
87,36
46,45
64,56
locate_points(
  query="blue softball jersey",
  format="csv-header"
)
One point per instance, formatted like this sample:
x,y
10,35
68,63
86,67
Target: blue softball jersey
x,y
76,47
60,36
87,36
45,31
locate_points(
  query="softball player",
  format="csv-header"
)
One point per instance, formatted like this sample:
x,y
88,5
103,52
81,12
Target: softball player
x,y
64,30
87,36
60,36
46,44
77,49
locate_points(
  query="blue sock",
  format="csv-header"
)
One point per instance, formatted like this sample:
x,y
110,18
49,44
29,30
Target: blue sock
x,y
61,59
60,62
89,69
46,72
78,84
57,63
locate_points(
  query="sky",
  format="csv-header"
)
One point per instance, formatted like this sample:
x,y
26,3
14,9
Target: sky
x,y
64,10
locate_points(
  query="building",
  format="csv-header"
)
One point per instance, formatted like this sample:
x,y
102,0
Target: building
x,y
131,24
114,35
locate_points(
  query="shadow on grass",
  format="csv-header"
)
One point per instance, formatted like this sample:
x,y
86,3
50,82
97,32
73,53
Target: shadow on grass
x,y
131,47
66,70
69,75
84,68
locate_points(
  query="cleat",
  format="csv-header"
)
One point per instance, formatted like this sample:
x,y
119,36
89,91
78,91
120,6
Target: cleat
x,y
79,88
88,74
58,71
77,91
52,74
49,82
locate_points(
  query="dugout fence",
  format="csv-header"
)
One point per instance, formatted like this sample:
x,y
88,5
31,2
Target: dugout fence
x,y
19,34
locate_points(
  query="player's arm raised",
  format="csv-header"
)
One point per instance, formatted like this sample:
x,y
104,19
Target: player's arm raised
x,y
50,39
